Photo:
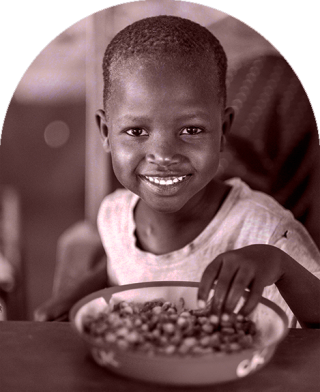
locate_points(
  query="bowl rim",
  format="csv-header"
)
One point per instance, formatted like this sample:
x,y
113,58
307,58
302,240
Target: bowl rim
x,y
112,290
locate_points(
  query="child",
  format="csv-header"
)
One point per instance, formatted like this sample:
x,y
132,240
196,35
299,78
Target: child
x,y
164,122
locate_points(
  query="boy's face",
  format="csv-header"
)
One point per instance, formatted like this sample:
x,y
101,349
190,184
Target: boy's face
x,y
164,129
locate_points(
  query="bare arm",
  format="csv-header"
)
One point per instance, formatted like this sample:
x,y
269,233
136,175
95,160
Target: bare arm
x,y
58,306
301,290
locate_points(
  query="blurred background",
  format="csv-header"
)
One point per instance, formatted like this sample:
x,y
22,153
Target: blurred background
x,y
53,172
42,157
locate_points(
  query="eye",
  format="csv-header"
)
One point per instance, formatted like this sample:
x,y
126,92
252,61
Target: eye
x,y
136,132
191,131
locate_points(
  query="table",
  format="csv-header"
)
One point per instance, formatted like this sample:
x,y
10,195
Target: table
x,y
50,357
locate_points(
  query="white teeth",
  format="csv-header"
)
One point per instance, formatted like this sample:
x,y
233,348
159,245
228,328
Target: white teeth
x,y
162,181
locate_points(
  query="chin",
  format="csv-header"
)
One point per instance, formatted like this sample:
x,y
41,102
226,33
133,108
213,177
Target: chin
x,y
164,207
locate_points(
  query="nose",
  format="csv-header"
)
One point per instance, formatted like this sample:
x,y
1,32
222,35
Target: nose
x,y
163,154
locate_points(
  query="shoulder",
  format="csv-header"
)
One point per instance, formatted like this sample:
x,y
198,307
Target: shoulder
x,y
257,202
115,203
264,217
253,215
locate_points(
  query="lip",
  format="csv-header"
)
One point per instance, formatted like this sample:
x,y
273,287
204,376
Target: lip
x,y
165,175
172,186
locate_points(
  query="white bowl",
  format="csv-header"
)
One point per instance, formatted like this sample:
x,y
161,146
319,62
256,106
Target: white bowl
x,y
271,323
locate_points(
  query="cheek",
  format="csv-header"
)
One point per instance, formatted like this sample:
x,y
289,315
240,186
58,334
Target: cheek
x,y
124,160
207,161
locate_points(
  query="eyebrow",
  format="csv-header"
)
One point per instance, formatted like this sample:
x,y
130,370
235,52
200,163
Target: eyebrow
x,y
193,115
129,117
187,116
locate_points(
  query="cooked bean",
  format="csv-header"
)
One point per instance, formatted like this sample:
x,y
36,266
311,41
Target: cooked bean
x,y
122,332
215,340
202,320
173,317
235,346
170,349
163,340
137,322
122,344
208,328
169,328
158,327
155,333
214,319
183,349
133,337
190,341
157,310
111,337
177,338
126,310
182,322
144,327
225,317
228,330
202,350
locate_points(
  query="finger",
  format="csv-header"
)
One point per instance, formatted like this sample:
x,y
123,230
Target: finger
x,y
241,281
253,298
63,317
207,281
48,316
226,276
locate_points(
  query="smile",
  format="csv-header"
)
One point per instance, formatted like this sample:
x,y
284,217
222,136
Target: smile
x,y
165,181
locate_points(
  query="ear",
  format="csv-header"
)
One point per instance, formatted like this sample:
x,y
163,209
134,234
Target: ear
x,y
227,121
103,129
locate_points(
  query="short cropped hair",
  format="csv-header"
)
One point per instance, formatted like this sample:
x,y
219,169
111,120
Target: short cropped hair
x,y
162,37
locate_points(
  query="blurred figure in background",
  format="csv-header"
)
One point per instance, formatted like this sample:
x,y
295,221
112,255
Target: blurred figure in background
x,y
7,281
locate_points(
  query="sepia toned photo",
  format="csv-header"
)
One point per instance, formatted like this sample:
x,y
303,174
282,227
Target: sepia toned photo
x,y
159,208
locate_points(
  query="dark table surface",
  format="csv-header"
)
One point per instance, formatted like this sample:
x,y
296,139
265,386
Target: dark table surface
x,y
49,357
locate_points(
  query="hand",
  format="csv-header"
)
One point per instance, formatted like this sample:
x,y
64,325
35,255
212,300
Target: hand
x,y
252,267
53,310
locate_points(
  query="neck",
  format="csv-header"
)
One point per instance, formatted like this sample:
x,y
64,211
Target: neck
x,y
209,197
154,227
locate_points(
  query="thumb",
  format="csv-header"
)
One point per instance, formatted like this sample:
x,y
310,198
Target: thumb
x,y
40,315
50,310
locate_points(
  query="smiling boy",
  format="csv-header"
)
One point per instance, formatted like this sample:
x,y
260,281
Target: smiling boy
x,y
165,137
164,122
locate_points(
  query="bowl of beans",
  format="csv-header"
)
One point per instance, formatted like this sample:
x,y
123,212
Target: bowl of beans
x,y
155,332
